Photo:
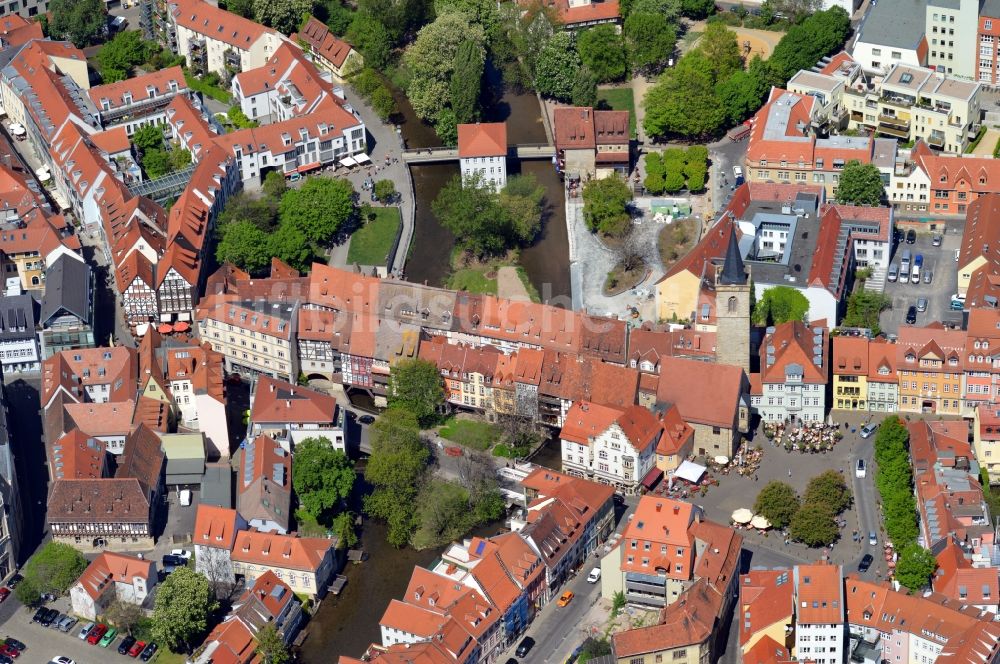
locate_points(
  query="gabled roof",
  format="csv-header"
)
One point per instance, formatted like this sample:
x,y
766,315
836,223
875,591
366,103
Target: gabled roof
x,y
264,483
109,568
67,290
766,598
282,551
795,348
215,526
819,594
486,139
713,399
205,19
276,401
143,458
323,43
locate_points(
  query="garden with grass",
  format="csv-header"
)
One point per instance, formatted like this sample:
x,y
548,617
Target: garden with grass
x,y
676,240
207,85
474,434
371,244
474,280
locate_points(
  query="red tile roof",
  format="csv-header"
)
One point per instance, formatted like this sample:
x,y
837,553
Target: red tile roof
x,y
574,128
163,82
276,401
482,139
794,343
819,594
108,568
215,526
282,551
323,43
766,597
205,19
689,621
712,400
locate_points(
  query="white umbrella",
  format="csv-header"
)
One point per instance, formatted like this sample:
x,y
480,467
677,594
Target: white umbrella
x,y
722,460
17,129
760,522
742,515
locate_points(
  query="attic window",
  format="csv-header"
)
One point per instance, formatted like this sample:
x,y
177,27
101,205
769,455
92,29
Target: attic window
x,y
906,77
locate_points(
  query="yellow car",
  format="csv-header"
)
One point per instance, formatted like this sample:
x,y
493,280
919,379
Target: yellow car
x,y
566,598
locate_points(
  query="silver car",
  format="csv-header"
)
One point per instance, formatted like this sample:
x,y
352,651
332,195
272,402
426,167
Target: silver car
x,y
67,623
928,276
922,304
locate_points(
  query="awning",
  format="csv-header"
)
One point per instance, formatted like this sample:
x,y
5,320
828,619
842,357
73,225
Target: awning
x,y
165,328
652,478
362,158
348,161
182,326
308,167
689,471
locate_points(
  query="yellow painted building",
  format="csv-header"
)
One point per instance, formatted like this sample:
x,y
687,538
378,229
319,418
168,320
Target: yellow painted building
x,y
677,295
850,373
929,366
986,440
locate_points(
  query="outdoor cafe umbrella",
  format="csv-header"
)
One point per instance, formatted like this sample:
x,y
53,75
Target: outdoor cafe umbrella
x,y
742,515
722,460
760,522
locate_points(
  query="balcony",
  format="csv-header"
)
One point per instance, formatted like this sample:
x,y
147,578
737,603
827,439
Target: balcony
x,y
895,99
894,132
232,59
936,139
894,121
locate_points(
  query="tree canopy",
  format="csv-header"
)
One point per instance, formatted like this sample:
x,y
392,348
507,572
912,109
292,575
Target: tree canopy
x,y
860,184
430,61
318,209
183,605
805,43
778,502
830,489
321,476
416,386
684,102
915,567
271,646
282,15
466,81
602,51
605,205
126,50
894,481
79,21
395,469
245,245
780,304
521,200
556,67
148,137
813,525
650,39
371,38
863,309
53,569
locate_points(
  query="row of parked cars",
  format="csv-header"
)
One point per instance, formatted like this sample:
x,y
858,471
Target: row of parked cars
x,y
99,634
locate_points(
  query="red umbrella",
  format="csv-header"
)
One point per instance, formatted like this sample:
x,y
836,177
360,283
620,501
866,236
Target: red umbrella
x,y
165,328
182,326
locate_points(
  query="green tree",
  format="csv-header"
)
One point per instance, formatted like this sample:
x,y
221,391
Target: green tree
x,y
442,514
829,489
602,51
148,137
239,119
80,21
343,529
521,200
585,87
780,304
244,245
385,190
804,44
178,159
282,15
466,81
319,208
395,469
261,212
556,67
242,7
697,9
274,185
123,615
813,525
720,48
383,103
741,93
27,593
605,205
778,502
894,481
370,37
117,58
271,646
416,386
860,184
650,40
290,245
684,102
915,567
863,309
156,163
321,476
471,210
430,61
668,9
54,568
183,604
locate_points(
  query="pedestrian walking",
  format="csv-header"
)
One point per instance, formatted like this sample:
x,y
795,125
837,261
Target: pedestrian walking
x,y
789,472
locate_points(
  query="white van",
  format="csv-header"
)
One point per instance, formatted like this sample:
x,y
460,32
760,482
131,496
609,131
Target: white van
x,y
893,272
915,275
185,497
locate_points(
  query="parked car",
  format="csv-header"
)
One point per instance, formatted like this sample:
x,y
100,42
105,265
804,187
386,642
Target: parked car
x,y
49,617
928,276
119,23
14,643
40,614
868,429
185,497
14,580
96,633
13,653
366,419
921,304
62,659
872,539
865,563
511,660
181,553
85,630
108,637
136,648
936,240
171,560
956,305
4,594
861,470
893,272
911,315
566,598
594,576
68,623
126,645
5,659
148,652
525,646
911,236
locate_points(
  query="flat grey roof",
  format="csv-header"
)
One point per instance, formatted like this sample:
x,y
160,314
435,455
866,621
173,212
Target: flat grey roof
x,y
846,142
895,23
778,116
945,4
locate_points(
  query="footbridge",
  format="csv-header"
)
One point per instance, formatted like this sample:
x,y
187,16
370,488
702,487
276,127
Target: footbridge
x,y
442,155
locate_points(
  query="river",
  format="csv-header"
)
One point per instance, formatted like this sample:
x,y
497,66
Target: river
x,y
547,260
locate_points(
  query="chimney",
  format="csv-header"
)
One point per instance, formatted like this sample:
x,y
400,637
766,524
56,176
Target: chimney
x,y
272,387
677,509
288,403
659,506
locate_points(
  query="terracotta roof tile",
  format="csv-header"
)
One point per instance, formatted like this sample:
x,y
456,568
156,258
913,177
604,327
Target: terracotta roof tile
x,y
487,139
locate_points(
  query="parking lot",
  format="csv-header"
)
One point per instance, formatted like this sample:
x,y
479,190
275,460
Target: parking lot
x,y
940,261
